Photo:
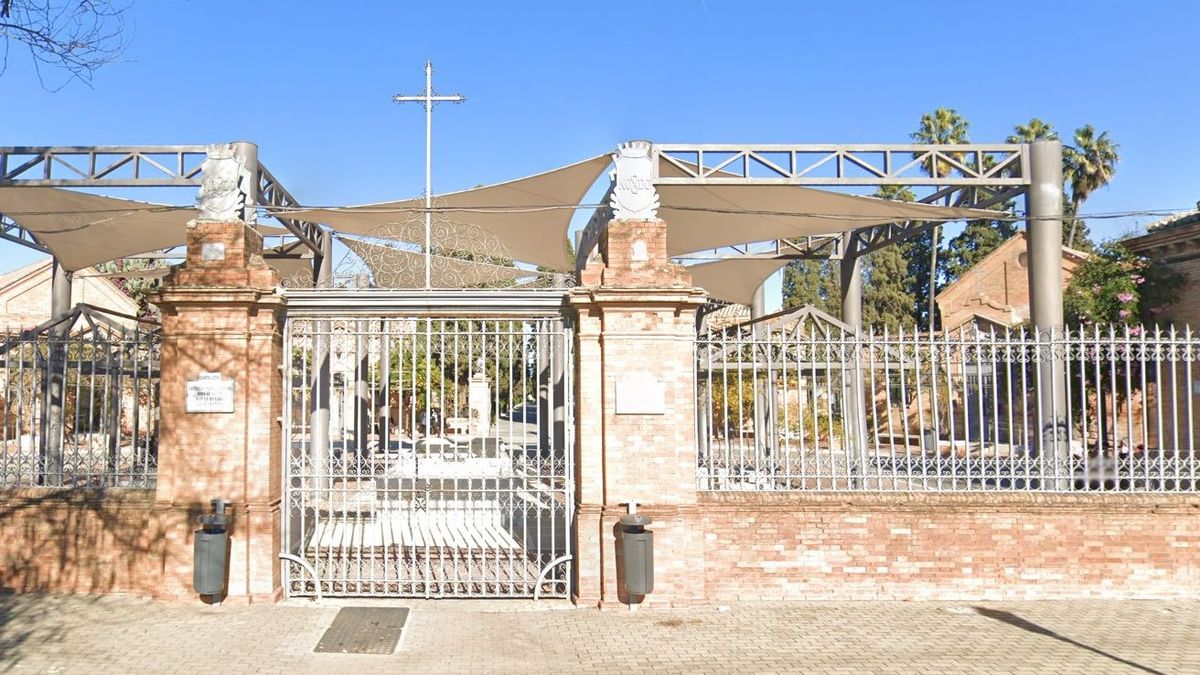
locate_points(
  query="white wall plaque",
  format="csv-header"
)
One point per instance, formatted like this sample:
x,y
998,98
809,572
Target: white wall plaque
x,y
640,395
639,254
212,251
209,393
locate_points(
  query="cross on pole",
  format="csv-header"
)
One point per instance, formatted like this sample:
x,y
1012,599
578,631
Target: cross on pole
x,y
428,98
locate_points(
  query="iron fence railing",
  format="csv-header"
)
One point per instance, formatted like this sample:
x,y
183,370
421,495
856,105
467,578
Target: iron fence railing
x,y
812,406
79,410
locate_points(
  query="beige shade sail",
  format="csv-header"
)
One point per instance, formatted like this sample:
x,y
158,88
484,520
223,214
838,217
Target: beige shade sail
x,y
400,268
735,279
83,229
524,219
713,216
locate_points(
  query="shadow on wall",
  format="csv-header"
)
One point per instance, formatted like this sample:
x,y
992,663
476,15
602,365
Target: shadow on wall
x,y
89,541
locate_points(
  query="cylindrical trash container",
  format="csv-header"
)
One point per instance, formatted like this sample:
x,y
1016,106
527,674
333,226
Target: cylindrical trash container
x,y
637,552
211,552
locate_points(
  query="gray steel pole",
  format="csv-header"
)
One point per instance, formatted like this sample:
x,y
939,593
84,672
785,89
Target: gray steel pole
x,y
52,410
758,306
852,289
323,263
247,152
851,278
1044,209
319,451
1044,206
364,407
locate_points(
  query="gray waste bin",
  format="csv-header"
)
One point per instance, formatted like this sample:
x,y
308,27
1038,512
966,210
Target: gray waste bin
x,y
211,552
637,552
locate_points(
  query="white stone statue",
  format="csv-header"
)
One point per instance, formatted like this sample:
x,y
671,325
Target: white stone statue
x,y
634,196
224,186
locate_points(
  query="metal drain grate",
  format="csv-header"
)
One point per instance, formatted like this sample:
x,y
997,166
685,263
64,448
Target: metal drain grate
x,y
364,630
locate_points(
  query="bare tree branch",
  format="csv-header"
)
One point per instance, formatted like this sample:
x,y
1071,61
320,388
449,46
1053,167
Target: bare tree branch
x,y
75,37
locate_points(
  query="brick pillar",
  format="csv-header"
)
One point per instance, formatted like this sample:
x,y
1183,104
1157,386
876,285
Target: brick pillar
x,y
636,420
221,319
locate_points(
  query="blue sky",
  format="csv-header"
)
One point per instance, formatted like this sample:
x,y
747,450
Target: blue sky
x,y
549,83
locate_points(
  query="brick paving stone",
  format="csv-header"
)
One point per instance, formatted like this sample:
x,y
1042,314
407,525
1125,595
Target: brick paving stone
x,y
114,634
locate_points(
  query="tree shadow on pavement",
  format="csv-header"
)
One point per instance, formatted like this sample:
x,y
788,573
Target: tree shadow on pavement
x,y
29,621
1024,624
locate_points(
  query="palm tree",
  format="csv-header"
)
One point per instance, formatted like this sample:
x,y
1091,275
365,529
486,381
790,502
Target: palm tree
x,y
943,126
1088,166
1035,130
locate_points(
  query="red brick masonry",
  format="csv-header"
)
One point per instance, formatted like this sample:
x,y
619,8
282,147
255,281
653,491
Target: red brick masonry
x,y
85,541
925,546
757,546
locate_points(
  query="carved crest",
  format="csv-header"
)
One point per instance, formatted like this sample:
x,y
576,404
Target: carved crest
x,y
634,196
224,186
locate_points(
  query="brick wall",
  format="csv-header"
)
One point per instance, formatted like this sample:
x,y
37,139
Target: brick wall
x,y
84,541
925,546
997,287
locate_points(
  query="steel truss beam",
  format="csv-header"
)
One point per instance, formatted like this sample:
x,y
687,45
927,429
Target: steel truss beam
x,y
273,195
131,166
846,165
976,176
102,166
10,231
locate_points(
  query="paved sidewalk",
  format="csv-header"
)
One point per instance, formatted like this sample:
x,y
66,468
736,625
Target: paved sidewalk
x,y
57,634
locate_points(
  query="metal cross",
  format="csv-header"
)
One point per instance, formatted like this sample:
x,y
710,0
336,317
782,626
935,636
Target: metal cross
x,y
428,98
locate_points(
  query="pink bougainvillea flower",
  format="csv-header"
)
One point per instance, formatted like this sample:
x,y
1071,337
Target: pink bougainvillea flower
x,y
1124,297
1124,314
1138,279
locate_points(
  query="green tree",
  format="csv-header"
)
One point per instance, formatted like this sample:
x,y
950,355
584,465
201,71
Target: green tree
x,y
943,126
974,243
888,298
1034,130
1087,166
812,282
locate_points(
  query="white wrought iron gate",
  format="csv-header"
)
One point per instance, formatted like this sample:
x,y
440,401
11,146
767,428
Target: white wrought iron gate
x,y
427,445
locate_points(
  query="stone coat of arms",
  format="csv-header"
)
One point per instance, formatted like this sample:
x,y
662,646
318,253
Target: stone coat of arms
x,y
634,196
224,187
